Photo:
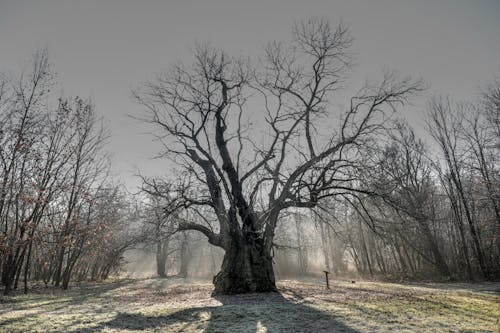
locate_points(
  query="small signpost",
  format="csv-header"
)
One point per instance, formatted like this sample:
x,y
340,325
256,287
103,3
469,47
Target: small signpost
x,y
326,278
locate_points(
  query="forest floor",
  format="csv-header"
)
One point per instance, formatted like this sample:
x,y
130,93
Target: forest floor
x,y
169,305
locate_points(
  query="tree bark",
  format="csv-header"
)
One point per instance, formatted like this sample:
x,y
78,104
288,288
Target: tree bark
x,y
246,267
185,256
161,257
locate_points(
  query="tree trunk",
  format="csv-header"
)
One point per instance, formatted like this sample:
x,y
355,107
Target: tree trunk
x,y
324,245
185,256
60,260
8,274
161,261
364,248
246,267
161,258
301,248
27,267
439,261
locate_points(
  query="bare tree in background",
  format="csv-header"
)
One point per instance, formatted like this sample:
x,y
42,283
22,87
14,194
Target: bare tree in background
x,y
406,175
52,173
248,173
491,100
21,204
463,133
158,215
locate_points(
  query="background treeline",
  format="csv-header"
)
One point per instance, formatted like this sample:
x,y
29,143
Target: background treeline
x,y
60,219
437,211
424,210
431,209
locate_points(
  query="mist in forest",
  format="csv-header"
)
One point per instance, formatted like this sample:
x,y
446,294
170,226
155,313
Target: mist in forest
x,y
243,161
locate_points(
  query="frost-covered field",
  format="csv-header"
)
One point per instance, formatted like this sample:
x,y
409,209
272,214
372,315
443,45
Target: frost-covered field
x,y
168,305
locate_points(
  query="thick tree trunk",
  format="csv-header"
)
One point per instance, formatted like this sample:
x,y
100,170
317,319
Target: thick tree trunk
x,y
246,267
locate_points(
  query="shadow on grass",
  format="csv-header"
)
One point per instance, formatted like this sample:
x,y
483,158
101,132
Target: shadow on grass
x,y
269,312
59,299
487,287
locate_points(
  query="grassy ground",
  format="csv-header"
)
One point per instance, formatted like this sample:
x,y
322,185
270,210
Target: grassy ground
x,y
166,305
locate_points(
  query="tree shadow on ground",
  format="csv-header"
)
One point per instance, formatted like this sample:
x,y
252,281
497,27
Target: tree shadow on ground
x,y
489,287
269,312
73,296
60,300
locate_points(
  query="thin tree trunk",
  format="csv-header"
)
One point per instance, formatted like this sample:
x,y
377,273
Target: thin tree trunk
x,y
185,255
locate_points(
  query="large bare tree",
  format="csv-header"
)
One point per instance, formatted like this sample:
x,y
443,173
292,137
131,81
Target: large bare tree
x,y
254,141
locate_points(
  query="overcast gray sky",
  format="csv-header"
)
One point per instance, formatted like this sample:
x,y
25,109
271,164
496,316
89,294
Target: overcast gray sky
x,y
103,48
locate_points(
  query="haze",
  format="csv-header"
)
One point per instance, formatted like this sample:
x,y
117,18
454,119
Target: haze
x,y
102,49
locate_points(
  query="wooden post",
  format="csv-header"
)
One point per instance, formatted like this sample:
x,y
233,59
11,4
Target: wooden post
x,y
326,278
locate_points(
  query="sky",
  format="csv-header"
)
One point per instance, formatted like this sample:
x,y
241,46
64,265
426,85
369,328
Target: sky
x,y
103,48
